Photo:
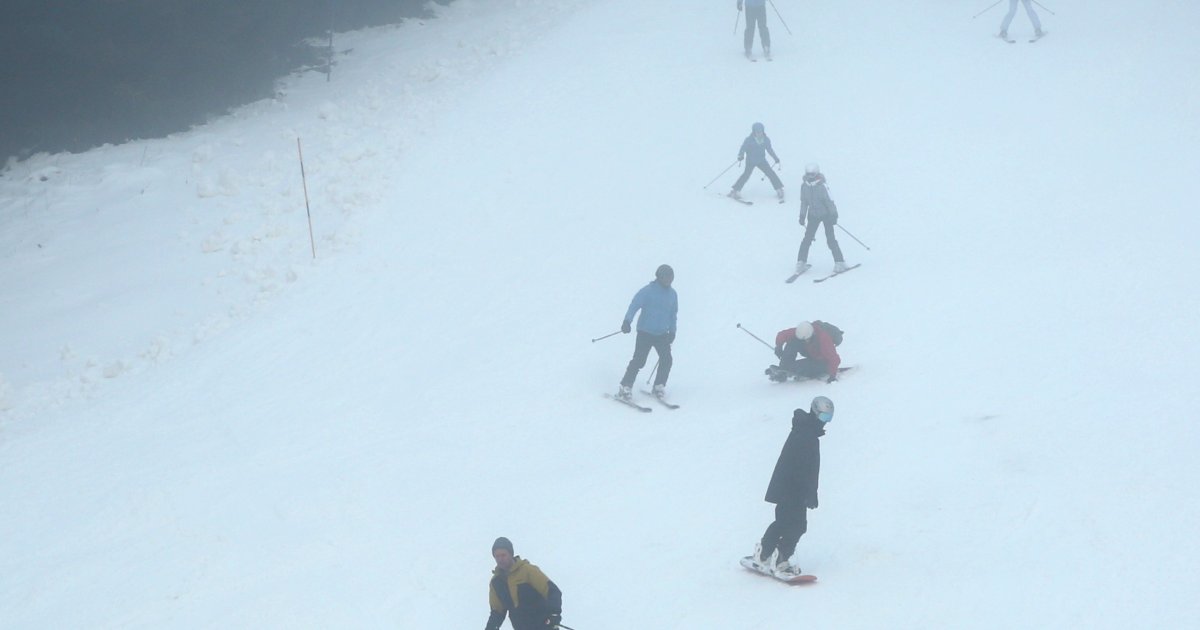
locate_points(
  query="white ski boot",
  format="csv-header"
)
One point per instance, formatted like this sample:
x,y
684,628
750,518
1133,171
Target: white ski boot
x,y
839,267
785,569
625,393
768,564
659,391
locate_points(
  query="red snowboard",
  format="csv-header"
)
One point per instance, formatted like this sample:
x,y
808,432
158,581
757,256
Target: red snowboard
x,y
794,580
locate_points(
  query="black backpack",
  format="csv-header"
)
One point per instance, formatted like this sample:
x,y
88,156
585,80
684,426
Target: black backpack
x,y
835,333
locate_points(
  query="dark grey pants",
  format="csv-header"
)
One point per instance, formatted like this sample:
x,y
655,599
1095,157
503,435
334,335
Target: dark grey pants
x,y
757,15
810,233
791,521
641,351
800,366
762,166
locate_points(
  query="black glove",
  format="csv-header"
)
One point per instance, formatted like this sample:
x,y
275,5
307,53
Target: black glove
x,y
553,620
833,219
779,351
671,337
813,504
832,378
801,220
739,5
625,327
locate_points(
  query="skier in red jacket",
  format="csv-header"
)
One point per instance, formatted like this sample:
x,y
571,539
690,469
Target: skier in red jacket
x,y
816,348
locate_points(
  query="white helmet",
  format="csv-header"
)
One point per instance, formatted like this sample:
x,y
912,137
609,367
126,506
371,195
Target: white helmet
x,y
812,168
804,330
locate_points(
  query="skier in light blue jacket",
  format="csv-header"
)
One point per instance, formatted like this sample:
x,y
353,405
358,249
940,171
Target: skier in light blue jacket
x,y
655,329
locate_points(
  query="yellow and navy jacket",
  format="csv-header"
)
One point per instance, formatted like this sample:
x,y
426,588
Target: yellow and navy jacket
x,y
523,593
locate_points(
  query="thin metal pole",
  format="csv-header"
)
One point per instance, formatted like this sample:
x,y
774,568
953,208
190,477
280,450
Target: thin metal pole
x,y
987,9
736,20
651,377
606,336
853,236
1044,7
719,175
304,180
756,337
780,17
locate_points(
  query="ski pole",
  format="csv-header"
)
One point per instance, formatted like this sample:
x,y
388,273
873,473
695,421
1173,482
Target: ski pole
x,y
565,627
651,377
304,180
1044,7
756,337
785,26
606,336
853,236
986,10
736,20
719,176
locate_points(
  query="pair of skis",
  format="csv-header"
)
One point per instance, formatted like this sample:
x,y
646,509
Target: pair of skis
x,y
1010,40
643,408
748,203
792,278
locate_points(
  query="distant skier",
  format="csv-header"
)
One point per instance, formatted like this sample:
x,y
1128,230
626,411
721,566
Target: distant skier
x,y
522,592
655,329
755,149
1012,11
756,14
793,488
815,345
816,208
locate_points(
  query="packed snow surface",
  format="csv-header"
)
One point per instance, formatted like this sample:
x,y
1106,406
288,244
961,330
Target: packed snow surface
x,y
202,426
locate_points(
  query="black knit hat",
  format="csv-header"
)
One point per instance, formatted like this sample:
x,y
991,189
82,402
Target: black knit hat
x,y
503,543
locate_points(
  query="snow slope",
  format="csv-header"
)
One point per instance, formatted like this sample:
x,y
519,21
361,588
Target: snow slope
x,y
204,427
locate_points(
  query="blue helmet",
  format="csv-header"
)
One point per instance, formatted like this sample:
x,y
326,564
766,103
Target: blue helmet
x,y
758,128
822,407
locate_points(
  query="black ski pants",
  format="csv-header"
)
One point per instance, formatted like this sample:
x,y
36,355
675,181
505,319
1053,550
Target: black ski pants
x,y
791,521
810,233
641,351
757,15
762,166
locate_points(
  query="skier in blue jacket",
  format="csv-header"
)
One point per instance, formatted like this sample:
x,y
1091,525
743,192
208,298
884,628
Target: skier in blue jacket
x,y
756,14
755,149
655,329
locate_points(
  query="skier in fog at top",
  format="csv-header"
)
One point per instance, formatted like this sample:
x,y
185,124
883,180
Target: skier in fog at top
x,y
1008,18
756,14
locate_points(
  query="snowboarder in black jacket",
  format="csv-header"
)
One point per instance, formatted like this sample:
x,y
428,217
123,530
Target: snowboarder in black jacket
x,y
793,488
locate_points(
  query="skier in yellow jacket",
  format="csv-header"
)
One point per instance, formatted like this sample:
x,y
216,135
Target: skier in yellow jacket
x,y
522,592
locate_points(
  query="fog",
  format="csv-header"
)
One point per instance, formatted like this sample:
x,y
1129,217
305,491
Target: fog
x,y
82,73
